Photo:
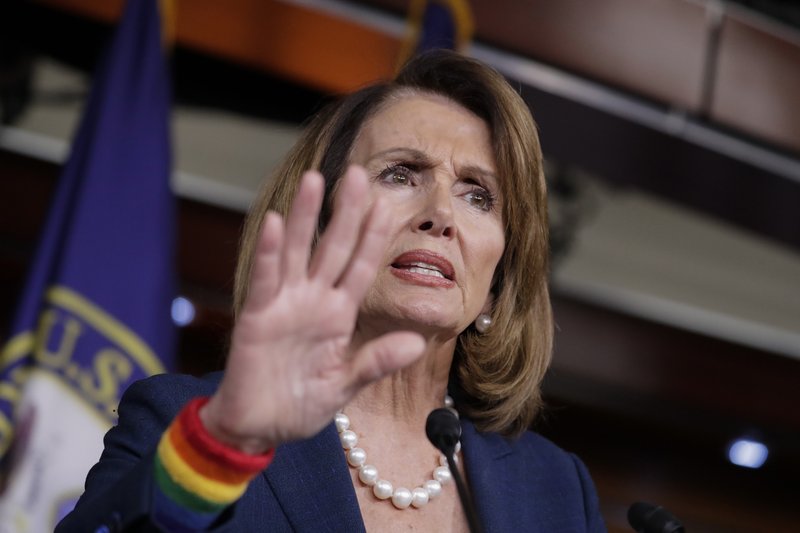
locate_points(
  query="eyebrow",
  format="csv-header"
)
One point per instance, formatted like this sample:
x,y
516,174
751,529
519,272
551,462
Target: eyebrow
x,y
406,153
421,158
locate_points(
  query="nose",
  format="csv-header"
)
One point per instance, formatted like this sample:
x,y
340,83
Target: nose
x,y
435,214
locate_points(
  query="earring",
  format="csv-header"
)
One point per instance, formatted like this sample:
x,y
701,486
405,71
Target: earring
x,y
483,322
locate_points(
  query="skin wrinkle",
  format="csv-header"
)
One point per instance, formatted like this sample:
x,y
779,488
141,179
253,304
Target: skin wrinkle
x,y
436,212
420,128
451,167
522,329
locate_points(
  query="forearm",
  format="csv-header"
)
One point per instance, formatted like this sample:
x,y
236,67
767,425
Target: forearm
x,y
119,488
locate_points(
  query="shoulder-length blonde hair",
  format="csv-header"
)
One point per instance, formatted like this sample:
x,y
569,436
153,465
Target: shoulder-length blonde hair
x,y
500,371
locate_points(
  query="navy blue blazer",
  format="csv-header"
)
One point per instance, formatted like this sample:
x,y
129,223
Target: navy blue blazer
x,y
521,485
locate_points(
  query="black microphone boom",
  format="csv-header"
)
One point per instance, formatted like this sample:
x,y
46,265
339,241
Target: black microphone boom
x,y
443,430
649,518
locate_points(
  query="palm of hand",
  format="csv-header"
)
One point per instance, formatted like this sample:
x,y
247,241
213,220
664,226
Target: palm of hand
x,y
291,364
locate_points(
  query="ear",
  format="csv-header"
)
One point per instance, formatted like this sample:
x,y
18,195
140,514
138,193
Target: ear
x,y
488,304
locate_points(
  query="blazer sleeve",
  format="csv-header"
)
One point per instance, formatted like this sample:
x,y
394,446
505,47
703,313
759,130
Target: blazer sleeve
x,y
591,503
119,488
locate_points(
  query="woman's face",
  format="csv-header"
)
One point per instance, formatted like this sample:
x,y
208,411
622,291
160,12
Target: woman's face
x,y
432,162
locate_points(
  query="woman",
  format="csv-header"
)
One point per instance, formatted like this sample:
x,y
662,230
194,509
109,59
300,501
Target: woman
x,y
426,270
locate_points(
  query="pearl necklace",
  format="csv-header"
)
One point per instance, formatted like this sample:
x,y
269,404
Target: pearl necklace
x,y
401,497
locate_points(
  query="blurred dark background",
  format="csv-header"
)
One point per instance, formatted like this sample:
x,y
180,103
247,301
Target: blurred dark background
x,y
686,109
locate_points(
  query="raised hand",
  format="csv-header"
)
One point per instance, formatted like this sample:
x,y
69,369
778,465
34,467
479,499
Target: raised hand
x,y
291,364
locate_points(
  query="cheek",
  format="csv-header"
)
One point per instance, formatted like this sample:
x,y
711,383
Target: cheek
x,y
486,255
397,201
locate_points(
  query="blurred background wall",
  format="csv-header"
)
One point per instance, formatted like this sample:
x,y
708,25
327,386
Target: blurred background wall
x,y
672,134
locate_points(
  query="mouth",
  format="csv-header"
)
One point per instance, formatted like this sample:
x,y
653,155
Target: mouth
x,y
425,263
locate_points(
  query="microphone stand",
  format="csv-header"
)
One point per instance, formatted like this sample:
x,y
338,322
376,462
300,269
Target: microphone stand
x,y
463,495
443,430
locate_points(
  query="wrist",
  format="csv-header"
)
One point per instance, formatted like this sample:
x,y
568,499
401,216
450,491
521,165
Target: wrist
x,y
217,425
197,473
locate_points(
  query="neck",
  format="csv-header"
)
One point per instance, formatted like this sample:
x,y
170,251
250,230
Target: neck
x,y
409,394
388,426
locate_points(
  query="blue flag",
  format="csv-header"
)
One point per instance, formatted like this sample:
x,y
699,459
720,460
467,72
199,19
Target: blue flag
x,y
95,311
438,24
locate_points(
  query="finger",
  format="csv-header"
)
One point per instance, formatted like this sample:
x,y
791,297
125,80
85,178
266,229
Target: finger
x,y
300,226
369,252
266,274
385,355
341,236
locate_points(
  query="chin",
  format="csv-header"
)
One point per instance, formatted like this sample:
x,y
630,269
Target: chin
x,y
422,309
423,317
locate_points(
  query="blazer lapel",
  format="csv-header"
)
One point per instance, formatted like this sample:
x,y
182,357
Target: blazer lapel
x,y
497,479
311,481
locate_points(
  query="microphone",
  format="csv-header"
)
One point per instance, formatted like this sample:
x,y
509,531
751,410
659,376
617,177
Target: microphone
x,y
649,518
443,430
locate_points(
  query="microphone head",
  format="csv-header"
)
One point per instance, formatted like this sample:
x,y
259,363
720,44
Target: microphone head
x,y
649,518
443,430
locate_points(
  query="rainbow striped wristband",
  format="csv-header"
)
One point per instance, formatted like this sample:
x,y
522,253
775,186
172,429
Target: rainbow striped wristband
x,y
197,476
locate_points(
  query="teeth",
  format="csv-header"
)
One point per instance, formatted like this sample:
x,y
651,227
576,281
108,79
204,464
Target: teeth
x,y
426,271
423,265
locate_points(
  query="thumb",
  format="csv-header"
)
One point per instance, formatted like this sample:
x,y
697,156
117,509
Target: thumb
x,y
386,354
